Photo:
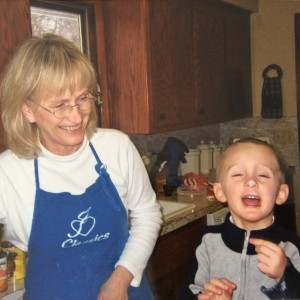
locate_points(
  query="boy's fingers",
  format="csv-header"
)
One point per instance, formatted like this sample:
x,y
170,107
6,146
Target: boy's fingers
x,y
260,242
228,283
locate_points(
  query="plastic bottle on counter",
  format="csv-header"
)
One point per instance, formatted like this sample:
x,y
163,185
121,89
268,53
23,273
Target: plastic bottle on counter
x,y
3,272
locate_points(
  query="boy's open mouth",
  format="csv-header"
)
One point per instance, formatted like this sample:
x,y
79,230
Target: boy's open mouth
x,y
251,200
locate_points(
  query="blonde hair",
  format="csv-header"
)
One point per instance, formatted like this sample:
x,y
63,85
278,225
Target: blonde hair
x,y
277,155
42,67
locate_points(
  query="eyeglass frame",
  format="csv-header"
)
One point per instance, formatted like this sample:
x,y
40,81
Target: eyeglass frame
x,y
92,97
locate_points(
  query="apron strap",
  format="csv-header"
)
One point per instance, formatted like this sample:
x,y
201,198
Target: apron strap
x,y
36,171
100,167
95,154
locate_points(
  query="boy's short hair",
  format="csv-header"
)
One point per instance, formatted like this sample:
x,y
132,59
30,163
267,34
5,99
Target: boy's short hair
x,y
256,141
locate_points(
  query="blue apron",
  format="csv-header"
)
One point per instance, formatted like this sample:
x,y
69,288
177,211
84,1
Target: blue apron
x,y
76,240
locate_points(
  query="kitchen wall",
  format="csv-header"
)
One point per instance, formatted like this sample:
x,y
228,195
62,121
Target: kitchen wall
x,y
191,137
272,41
224,133
259,127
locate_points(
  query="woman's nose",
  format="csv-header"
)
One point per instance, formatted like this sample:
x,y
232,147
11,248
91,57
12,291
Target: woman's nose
x,y
75,115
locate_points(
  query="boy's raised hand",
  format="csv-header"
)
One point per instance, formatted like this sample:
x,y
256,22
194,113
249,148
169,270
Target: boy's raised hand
x,y
218,289
271,258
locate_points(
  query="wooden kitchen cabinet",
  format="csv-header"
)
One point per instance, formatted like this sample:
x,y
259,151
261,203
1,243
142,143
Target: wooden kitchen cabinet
x,y
176,64
171,52
209,63
237,103
222,63
15,28
162,65
149,52
171,260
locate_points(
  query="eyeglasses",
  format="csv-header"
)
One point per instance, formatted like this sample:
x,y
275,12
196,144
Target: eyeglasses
x,y
84,106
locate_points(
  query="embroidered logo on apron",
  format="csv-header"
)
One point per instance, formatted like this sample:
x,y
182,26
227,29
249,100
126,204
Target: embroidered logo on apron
x,y
83,226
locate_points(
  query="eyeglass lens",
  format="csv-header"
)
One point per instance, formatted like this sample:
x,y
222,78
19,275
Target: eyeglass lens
x,y
83,105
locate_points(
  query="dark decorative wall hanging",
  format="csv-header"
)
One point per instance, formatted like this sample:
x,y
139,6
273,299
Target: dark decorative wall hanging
x,y
272,93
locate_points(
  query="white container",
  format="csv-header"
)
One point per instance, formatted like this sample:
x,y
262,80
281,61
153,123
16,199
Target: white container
x,y
216,154
216,151
205,158
186,194
192,163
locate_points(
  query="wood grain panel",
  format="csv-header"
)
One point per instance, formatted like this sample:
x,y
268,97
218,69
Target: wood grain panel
x,y
126,41
171,260
171,36
15,28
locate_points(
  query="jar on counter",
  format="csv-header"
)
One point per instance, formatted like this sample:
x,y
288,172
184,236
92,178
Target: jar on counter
x,y
3,272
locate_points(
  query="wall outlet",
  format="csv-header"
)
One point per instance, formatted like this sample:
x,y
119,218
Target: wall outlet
x,y
284,136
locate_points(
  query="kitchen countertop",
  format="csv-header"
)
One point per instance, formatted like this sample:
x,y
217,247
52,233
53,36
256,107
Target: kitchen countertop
x,y
15,290
201,209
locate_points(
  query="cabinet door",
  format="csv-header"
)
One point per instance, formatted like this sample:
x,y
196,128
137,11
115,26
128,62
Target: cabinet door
x,y
222,63
126,42
171,64
15,28
175,64
171,260
238,100
208,64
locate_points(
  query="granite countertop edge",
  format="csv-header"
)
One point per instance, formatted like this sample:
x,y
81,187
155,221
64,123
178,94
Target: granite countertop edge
x,y
186,217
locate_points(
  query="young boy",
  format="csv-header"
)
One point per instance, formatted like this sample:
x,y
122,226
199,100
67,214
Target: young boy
x,y
250,256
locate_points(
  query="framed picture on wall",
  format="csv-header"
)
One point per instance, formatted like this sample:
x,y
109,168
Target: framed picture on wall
x,y
68,19
66,24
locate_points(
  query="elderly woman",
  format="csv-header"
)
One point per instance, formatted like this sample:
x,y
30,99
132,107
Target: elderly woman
x,y
68,188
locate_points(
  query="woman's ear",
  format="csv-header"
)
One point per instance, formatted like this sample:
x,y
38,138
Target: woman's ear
x,y
282,194
27,112
219,192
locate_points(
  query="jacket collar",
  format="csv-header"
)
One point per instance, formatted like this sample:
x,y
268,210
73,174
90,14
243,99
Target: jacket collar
x,y
234,237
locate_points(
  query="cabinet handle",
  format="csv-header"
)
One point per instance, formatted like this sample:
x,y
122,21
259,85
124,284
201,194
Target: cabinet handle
x,y
201,111
162,116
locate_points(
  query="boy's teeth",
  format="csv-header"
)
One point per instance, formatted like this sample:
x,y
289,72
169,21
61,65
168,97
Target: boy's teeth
x,y
251,200
250,197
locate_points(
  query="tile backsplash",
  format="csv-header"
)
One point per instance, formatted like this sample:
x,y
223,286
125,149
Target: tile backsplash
x,y
224,133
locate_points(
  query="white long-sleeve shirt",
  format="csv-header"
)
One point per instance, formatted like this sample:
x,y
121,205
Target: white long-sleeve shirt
x,y
74,173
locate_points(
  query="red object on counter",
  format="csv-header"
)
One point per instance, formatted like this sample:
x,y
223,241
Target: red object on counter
x,y
194,180
3,272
